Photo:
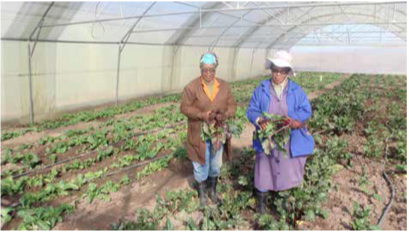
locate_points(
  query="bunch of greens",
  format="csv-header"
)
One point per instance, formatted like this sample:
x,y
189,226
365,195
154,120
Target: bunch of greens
x,y
277,129
217,129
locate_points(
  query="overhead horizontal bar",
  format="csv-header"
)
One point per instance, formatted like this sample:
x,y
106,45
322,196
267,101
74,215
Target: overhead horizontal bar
x,y
262,26
152,44
225,10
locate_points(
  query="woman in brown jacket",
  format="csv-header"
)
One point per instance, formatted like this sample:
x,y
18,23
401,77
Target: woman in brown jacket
x,y
202,99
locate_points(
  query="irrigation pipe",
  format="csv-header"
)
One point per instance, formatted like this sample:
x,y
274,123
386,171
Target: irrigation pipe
x,y
135,165
391,187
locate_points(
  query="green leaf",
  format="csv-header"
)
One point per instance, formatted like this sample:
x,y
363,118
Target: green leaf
x,y
168,225
310,215
401,167
43,225
374,227
377,197
5,214
336,168
324,213
243,181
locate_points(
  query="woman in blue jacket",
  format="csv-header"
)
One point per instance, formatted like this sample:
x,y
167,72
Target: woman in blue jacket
x,y
280,96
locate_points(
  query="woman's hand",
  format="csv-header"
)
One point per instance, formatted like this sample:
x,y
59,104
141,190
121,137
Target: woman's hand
x,y
205,116
221,116
262,123
294,124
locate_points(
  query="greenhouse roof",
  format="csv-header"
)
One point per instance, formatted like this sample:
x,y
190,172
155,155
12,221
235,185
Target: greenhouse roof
x,y
271,25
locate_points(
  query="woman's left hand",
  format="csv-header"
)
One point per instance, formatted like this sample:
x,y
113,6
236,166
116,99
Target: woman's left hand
x,y
221,116
294,124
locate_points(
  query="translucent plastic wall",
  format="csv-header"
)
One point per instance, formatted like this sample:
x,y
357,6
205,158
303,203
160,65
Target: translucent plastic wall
x,y
75,62
70,77
369,60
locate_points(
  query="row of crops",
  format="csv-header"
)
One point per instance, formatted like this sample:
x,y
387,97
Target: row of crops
x,y
313,81
89,164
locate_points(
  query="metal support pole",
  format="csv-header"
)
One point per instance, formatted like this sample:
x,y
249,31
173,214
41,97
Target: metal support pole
x,y
200,17
175,50
349,36
121,46
30,56
30,85
394,10
117,75
252,61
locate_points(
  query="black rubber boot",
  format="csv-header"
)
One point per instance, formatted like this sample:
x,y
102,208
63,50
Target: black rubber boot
x,y
212,184
201,190
260,197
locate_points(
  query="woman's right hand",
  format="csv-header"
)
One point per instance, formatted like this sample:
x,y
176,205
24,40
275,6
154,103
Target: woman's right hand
x,y
262,123
205,116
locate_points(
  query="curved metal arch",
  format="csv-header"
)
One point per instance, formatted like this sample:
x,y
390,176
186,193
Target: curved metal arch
x,y
180,36
214,43
311,29
249,32
305,13
243,39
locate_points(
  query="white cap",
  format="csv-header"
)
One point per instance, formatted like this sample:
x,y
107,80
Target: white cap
x,y
281,59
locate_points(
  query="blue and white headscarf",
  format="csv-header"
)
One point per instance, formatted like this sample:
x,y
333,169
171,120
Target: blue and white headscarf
x,y
209,58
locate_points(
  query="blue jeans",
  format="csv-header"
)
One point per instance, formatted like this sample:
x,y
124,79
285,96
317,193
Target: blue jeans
x,y
212,164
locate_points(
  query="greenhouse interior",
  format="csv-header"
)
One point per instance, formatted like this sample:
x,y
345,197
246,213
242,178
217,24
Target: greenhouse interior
x,y
194,115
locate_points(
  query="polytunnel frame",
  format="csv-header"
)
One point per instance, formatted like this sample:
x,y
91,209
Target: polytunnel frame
x,y
195,21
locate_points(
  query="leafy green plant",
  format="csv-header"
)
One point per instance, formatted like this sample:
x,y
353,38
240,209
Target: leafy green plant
x,y
93,175
104,190
154,166
361,220
144,221
401,168
363,180
31,160
144,150
94,192
124,161
5,214
104,154
46,140
372,148
98,138
42,218
11,187
267,222
77,164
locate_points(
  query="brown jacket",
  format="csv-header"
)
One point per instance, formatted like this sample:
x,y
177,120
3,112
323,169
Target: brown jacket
x,y
195,104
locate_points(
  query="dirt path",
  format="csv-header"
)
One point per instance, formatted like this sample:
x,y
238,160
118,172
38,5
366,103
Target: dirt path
x,y
328,88
125,202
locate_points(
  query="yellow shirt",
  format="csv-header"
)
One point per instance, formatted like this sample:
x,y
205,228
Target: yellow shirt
x,y
211,94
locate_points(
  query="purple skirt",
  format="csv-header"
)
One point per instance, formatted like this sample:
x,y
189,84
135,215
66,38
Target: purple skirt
x,y
276,172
